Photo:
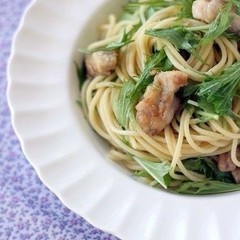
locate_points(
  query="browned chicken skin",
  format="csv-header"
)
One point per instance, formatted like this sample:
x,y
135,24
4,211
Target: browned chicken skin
x,y
101,63
159,104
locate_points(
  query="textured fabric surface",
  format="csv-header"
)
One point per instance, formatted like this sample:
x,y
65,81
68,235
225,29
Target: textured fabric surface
x,y
28,210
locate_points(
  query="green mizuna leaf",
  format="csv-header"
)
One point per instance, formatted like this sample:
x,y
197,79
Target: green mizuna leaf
x,y
123,106
180,37
190,90
209,168
142,173
237,4
159,171
186,11
125,40
134,5
204,116
219,25
217,92
207,187
231,36
81,74
150,11
215,95
156,5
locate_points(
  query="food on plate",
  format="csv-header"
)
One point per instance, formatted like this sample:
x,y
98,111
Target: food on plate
x,y
162,86
159,104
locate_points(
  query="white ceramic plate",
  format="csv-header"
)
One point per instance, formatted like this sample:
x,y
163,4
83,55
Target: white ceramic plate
x,y
70,159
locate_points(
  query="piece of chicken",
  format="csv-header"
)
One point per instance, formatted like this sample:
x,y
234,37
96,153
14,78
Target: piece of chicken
x,y
101,63
225,164
159,104
236,175
235,25
207,11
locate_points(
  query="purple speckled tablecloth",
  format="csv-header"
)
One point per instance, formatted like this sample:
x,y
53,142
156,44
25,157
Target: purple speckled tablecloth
x,y
28,210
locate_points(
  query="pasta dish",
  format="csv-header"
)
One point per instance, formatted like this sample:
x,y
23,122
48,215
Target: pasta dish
x,y
161,85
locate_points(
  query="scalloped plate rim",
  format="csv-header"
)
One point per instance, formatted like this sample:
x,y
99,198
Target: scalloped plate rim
x,y
195,200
